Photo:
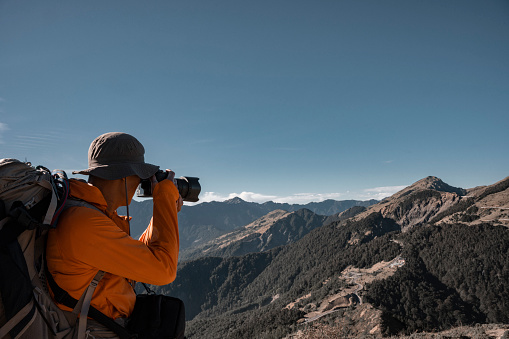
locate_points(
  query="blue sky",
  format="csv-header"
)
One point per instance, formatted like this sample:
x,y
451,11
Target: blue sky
x,y
291,101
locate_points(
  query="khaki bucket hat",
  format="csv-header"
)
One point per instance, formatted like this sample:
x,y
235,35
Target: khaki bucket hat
x,y
117,155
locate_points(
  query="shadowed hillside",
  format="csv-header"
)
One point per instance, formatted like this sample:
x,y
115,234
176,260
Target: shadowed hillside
x,y
274,229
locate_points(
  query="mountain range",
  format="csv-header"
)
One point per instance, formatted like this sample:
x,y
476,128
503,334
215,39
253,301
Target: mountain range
x,y
203,222
431,259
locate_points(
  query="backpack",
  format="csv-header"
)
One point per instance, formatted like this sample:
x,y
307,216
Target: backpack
x,y
31,199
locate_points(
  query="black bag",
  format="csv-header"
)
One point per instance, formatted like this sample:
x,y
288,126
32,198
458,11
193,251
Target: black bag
x,y
157,316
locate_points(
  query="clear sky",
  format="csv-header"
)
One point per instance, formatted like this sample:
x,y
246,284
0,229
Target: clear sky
x,y
284,100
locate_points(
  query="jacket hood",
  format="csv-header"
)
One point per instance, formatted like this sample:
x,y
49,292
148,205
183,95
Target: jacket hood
x,y
84,191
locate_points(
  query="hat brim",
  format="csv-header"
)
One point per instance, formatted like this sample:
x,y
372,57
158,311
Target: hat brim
x,y
119,171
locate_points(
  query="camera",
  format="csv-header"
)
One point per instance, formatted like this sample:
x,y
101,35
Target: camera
x,y
188,187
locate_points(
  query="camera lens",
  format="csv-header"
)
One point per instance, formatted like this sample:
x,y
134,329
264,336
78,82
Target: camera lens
x,y
188,187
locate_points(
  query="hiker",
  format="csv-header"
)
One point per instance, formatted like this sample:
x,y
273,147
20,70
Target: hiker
x,y
95,238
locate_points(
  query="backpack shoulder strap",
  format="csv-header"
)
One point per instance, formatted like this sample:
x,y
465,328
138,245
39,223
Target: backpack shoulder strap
x,y
84,304
75,202
8,326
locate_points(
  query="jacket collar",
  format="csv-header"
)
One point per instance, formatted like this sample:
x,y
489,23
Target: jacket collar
x,y
84,191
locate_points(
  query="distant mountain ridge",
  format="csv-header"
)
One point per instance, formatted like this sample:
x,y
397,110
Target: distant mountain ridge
x,y
206,221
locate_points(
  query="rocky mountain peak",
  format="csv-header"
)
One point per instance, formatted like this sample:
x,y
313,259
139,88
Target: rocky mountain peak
x,y
429,183
437,184
234,201
418,203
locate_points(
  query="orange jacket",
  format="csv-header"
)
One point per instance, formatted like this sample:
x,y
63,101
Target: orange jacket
x,y
86,241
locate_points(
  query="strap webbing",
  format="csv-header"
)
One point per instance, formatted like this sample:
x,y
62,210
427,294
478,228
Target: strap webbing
x,y
84,304
4,330
62,297
52,205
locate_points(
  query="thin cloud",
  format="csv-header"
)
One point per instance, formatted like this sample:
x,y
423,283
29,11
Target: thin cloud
x,y
3,128
246,196
37,140
377,193
380,193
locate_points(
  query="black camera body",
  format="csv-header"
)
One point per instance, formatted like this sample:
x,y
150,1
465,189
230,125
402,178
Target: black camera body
x,y
188,187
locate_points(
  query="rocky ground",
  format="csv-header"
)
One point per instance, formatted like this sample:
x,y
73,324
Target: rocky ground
x,y
336,331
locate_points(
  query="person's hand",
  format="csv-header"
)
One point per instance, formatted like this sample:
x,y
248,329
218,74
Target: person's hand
x,y
180,202
171,177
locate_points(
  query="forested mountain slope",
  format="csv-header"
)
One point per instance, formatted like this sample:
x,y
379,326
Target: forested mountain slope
x,y
454,274
252,281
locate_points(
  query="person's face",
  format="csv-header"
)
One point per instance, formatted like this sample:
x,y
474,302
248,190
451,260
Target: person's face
x,y
132,183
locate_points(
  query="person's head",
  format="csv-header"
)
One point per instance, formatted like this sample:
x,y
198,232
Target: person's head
x,y
115,158
117,155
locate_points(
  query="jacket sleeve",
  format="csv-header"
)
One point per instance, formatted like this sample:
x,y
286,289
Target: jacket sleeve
x,y
162,234
103,245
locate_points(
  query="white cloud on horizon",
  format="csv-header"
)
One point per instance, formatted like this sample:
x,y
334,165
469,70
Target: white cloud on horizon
x,y
247,196
380,193
377,193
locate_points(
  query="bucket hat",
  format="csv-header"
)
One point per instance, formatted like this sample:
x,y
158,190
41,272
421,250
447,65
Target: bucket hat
x,y
117,155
